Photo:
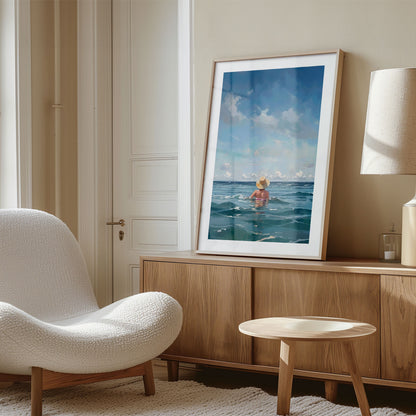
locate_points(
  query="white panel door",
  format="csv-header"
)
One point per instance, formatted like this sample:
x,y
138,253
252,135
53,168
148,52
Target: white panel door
x,y
145,148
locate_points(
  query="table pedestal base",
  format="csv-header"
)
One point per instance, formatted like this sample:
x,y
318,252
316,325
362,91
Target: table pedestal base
x,y
284,391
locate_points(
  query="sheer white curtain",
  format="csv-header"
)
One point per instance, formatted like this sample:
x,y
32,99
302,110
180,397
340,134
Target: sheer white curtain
x,y
15,108
8,121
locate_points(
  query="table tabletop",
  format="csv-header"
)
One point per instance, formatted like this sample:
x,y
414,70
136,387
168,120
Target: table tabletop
x,y
306,328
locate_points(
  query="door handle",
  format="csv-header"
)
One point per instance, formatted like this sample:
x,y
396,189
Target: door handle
x,y
121,222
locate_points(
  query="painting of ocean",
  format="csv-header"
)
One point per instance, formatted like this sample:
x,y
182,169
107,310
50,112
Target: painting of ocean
x,y
286,218
268,154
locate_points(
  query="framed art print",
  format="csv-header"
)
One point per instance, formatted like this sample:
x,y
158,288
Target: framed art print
x,y
269,156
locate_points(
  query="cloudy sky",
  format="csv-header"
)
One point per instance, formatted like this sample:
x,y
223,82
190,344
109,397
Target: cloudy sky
x,y
269,122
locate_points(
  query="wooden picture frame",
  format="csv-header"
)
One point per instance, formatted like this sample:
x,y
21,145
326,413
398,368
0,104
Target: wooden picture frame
x,y
269,156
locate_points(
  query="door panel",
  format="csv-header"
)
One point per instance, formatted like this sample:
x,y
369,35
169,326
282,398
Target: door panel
x,y
155,178
343,295
147,233
144,135
215,300
398,332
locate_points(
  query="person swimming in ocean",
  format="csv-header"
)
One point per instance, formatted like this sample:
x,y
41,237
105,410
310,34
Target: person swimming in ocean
x,y
262,196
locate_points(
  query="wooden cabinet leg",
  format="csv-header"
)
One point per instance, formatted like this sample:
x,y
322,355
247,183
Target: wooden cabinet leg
x,y
356,378
36,391
331,390
284,390
148,380
173,370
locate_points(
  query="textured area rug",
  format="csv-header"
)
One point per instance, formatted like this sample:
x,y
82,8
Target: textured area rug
x,y
182,398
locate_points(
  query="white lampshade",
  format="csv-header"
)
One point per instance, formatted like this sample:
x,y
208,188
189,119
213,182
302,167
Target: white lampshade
x,y
390,131
390,139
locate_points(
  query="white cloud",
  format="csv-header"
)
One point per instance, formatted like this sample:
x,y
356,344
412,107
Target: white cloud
x,y
231,113
228,174
299,174
279,175
265,119
289,123
290,116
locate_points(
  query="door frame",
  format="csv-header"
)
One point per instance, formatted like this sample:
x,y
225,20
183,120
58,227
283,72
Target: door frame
x,y
95,138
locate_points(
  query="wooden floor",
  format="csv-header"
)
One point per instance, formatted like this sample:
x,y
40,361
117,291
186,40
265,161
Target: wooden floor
x,y
404,401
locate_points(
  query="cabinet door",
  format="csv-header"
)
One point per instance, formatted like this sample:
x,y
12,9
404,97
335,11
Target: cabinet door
x,y
215,300
398,328
343,295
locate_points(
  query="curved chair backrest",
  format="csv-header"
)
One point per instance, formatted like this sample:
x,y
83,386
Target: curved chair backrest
x,y
42,270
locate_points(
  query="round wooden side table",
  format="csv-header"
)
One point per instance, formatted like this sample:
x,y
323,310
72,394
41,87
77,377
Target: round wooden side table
x,y
291,329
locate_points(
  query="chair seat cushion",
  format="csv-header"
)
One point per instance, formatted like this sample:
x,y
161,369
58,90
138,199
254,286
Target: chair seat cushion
x,y
121,335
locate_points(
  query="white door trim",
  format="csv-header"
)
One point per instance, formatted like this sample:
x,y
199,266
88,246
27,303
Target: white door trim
x,y
185,114
95,138
95,143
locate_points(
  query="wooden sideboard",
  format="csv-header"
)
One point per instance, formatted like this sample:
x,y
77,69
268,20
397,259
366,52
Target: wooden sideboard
x,y
217,293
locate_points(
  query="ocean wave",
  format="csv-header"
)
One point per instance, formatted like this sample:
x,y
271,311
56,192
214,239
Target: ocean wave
x,y
275,199
240,197
222,206
233,232
286,218
236,196
300,193
296,211
230,208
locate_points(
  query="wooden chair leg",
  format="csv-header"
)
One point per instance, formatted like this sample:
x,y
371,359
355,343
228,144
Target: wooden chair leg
x,y
284,390
173,370
53,380
149,382
36,391
356,378
331,390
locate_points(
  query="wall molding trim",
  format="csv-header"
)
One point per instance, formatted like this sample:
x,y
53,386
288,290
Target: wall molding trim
x,y
156,156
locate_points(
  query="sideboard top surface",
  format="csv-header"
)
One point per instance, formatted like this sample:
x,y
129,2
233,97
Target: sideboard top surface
x,y
371,266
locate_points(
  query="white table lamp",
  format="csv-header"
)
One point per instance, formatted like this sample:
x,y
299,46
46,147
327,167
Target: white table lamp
x,y
390,139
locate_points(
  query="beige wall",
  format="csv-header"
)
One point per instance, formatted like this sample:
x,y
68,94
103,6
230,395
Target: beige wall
x,y
42,34
374,34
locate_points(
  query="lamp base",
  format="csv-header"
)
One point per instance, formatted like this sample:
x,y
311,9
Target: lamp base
x,y
409,234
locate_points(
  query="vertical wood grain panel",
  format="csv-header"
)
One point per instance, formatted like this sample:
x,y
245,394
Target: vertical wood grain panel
x,y
291,292
398,331
215,300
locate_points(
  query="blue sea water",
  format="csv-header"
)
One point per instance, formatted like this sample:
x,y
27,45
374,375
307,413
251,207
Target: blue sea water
x,y
286,218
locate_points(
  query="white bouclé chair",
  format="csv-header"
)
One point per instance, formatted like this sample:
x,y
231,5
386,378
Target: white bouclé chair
x,y
52,331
